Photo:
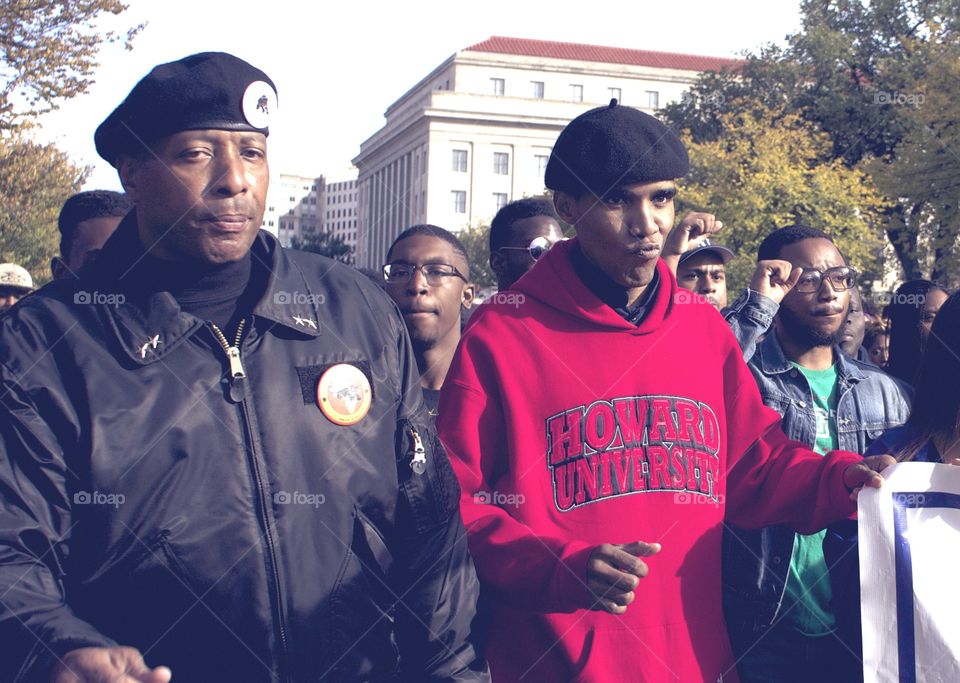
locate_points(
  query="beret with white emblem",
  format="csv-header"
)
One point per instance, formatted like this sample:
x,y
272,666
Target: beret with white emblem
x,y
612,146
207,90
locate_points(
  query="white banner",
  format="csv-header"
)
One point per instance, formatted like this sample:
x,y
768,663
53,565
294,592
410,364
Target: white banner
x,y
910,575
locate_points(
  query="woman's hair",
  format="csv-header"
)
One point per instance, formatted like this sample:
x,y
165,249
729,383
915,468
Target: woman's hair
x,y
904,313
873,330
936,406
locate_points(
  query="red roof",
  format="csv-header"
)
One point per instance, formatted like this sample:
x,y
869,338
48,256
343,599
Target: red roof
x,y
600,53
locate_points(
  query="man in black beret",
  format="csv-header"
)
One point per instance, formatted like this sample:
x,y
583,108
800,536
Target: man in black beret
x,y
604,427
214,452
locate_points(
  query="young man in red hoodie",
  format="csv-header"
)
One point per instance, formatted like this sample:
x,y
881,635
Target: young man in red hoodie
x,y
604,428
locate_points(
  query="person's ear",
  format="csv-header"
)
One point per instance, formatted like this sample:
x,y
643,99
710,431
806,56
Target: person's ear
x,y
498,264
567,207
127,167
468,295
59,268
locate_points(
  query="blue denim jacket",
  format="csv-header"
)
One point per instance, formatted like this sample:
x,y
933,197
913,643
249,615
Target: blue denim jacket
x,y
756,562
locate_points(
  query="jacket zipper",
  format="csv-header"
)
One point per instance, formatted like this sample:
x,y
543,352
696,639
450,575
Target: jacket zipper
x,y
419,462
238,395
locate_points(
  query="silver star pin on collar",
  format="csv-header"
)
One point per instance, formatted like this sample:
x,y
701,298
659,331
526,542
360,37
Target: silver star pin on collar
x,y
151,344
303,322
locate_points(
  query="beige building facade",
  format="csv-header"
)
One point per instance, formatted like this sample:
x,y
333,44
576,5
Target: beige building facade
x,y
477,131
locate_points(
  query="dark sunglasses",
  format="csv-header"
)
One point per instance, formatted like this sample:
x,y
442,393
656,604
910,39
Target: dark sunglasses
x,y
538,247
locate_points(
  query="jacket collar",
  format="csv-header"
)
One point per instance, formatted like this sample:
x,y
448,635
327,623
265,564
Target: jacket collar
x,y
149,326
773,361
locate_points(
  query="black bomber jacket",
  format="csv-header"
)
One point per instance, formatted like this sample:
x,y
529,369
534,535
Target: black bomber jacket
x,y
156,494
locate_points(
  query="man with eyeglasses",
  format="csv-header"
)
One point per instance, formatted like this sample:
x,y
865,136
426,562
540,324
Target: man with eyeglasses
x,y
427,275
777,590
604,427
521,232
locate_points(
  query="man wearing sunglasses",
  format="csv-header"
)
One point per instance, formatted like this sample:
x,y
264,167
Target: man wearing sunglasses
x,y
603,429
777,590
427,275
521,232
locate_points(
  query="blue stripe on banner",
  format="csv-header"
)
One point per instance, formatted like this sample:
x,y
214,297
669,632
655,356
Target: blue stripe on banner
x,y
906,643
906,646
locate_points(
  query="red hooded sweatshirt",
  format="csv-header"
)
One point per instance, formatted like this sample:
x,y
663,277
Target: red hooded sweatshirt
x,y
569,427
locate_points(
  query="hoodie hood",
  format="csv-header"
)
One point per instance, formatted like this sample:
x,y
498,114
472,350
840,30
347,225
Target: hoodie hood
x,y
554,282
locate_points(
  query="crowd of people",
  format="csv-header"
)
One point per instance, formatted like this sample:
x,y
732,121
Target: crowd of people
x,y
221,459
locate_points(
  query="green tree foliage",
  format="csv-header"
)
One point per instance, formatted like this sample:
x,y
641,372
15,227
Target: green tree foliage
x,y
767,171
326,244
476,239
861,72
925,166
48,52
34,182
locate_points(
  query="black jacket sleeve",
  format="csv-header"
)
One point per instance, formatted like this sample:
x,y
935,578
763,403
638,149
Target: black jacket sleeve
x,y
36,625
435,581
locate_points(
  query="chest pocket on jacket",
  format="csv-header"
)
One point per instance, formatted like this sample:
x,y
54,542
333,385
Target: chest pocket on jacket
x,y
430,490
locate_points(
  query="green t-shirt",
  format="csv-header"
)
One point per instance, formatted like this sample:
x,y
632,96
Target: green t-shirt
x,y
808,582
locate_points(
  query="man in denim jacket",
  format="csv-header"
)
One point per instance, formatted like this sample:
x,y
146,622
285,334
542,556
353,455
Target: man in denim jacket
x,y
777,595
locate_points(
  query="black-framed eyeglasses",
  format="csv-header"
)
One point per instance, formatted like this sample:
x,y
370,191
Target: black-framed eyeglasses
x,y
538,247
434,273
841,278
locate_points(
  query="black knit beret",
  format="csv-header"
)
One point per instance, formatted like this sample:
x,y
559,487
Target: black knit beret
x,y
613,146
206,90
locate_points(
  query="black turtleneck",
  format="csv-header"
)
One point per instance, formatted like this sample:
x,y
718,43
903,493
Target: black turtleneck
x,y
611,293
221,294
212,293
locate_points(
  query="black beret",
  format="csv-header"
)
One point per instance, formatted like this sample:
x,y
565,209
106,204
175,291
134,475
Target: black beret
x,y
613,146
206,90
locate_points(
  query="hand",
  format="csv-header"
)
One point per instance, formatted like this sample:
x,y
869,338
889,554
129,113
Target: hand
x,y
690,233
774,278
866,473
101,664
614,571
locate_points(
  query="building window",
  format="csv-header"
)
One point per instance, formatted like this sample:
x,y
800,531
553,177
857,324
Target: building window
x,y
615,93
459,201
537,89
577,92
499,200
542,164
460,160
497,86
653,99
501,163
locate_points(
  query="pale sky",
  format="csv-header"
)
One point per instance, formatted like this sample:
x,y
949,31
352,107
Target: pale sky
x,y
339,65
